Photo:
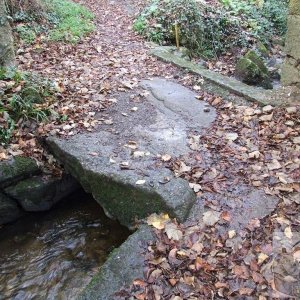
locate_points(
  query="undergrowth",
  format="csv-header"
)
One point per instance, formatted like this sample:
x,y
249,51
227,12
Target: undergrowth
x,y
24,97
55,20
210,30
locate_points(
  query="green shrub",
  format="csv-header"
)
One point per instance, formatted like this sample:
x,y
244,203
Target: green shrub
x,y
212,30
204,30
263,19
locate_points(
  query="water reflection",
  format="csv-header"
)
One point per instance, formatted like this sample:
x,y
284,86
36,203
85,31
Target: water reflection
x,y
53,255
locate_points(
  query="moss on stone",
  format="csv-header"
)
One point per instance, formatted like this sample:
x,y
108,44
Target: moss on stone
x,y
119,200
247,70
254,57
294,7
9,210
262,49
251,69
122,266
16,169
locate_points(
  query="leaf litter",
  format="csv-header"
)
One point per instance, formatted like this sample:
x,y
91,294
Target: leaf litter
x,y
246,144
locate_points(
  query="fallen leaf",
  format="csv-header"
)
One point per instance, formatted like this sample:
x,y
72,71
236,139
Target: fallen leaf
x,y
231,136
261,258
274,165
231,234
211,217
288,232
241,271
173,232
158,221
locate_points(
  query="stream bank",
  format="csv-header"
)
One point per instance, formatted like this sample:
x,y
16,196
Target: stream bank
x,y
54,254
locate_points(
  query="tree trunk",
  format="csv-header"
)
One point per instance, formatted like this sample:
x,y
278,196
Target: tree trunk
x,y
291,68
7,56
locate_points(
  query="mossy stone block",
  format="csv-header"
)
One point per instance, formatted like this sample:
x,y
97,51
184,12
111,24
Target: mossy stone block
x,y
17,169
254,57
40,193
124,265
251,69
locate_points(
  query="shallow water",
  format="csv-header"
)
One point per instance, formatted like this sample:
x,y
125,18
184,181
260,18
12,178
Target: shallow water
x,y
53,255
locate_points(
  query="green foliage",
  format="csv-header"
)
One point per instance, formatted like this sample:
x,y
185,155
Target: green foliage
x,y
58,20
212,30
17,104
263,18
26,34
71,21
205,30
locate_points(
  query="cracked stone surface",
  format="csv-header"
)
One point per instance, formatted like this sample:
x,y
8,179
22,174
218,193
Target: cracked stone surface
x,y
134,141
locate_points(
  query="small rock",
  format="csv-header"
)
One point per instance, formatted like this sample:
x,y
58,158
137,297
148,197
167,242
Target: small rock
x,y
206,109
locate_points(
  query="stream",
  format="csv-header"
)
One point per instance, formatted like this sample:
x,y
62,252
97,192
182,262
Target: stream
x,y
54,254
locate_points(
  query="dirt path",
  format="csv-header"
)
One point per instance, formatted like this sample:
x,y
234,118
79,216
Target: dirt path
x,y
248,153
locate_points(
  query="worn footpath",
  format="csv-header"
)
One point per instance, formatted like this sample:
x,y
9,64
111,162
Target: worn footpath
x,y
159,143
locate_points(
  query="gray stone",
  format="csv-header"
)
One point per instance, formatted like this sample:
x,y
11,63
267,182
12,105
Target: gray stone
x,y
40,193
17,169
233,85
160,126
251,69
294,6
9,210
7,56
290,73
242,202
123,266
293,37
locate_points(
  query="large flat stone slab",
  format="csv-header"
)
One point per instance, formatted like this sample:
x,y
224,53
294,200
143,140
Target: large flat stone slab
x,y
124,265
120,165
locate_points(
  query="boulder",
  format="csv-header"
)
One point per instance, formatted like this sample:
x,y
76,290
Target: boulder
x,y
252,70
40,193
9,209
17,169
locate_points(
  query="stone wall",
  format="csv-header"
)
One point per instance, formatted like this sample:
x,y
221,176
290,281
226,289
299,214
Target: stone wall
x,y
291,68
24,188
